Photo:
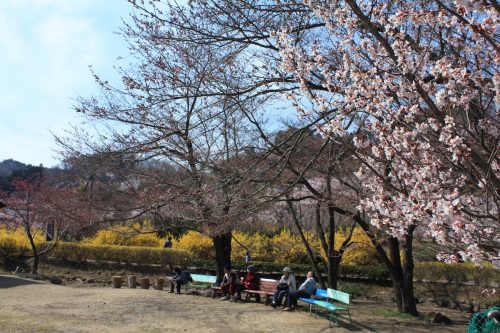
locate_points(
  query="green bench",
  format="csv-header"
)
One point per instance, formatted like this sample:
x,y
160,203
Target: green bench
x,y
327,299
202,281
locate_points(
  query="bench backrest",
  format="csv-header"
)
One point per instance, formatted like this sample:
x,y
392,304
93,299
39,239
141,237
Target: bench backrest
x,y
338,295
204,278
321,293
268,285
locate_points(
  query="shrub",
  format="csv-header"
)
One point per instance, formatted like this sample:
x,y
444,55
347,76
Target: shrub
x,y
123,254
286,247
457,273
200,246
137,234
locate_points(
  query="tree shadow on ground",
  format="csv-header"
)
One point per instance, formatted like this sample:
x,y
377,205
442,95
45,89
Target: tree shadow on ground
x,y
14,281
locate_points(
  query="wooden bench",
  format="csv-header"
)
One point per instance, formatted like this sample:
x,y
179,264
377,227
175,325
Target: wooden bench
x,y
267,287
326,299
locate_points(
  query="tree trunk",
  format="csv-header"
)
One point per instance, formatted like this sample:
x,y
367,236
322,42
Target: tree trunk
x,y
309,251
333,256
36,256
396,272
401,275
222,246
410,304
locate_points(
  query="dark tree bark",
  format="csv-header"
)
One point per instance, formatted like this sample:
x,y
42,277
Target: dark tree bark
x,y
222,246
310,252
333,256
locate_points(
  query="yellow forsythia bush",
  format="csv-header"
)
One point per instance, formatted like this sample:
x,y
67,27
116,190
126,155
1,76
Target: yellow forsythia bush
x,y
124,254
284,247
360,252
128,236
200,246
288,248
13,240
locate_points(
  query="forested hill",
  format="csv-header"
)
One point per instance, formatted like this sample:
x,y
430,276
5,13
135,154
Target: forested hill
x,y
13,169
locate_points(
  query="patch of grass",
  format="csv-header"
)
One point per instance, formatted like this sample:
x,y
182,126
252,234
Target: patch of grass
x,y
353,289
389,313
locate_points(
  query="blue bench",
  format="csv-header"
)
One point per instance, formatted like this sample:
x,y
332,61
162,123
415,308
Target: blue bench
x,y
327,299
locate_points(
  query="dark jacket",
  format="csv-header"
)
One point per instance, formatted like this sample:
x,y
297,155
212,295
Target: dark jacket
x,y
231,278
183,276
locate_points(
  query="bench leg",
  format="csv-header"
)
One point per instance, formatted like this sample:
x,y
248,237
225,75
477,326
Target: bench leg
x,y
267,301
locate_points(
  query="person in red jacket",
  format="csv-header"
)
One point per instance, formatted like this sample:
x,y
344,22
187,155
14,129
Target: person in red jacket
x,y
250,282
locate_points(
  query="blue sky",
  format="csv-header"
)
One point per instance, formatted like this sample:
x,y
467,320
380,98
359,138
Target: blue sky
x,y
46,47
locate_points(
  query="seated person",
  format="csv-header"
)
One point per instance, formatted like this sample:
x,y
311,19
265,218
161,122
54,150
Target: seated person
x,y
285,286
181,277
306,289
250,282
229,284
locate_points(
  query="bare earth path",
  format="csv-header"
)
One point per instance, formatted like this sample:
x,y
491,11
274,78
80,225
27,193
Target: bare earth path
x,y
27,306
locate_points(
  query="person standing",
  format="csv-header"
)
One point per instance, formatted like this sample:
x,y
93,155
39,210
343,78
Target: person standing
x,y
285,286
306,289
168,243
248,258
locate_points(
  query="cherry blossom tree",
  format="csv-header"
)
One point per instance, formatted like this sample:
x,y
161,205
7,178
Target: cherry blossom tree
x,y
418,85
42,211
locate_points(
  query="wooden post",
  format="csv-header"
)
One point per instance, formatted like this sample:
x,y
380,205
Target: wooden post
x,y
132,283
117,281
160,283
145,283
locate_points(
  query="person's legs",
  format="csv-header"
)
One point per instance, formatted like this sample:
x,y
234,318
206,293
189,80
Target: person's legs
x,y
172,286
232,288
299,294
281,295
178,284
290,299
276,294
225,289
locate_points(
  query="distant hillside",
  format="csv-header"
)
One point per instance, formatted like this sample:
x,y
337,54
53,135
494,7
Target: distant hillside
x,y
11,167
14,169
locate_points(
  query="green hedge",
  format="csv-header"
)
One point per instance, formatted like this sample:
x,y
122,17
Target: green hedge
x,y
424,271
123,254
456,273
376,272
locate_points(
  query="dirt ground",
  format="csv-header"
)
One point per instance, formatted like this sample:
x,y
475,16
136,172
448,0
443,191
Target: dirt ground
x,y
34,306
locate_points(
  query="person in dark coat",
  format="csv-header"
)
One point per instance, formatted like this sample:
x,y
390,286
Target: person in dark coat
x,y
181,277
